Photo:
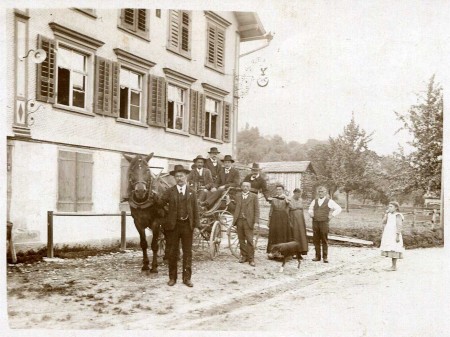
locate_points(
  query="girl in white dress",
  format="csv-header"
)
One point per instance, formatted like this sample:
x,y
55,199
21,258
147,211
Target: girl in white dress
x,y
392,241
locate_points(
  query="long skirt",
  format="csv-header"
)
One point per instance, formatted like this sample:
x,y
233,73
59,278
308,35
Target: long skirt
x,y
297,220
279,229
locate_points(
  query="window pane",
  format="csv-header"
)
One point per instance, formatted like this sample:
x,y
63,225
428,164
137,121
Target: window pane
x,y
180,95
216,106
78,61
64,58
134,112
214,126
135,98
209,104
78,98
170,115
134,81
179,123
207,134
179,110
78,81
124,102
172,92
63,86
124,77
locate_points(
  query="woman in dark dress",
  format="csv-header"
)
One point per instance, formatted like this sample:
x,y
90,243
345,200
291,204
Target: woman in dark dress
x,y
279,229
297,221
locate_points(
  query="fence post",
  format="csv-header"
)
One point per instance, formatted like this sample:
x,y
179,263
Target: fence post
x,y
50,234
123,228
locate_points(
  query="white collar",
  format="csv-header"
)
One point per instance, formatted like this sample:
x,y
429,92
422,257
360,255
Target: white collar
x,y
200,170
245,194
253,178
182,188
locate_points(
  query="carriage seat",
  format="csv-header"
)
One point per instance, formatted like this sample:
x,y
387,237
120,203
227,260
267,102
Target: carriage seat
x,y
218,204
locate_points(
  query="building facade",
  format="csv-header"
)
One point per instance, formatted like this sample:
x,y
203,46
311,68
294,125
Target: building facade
x,y
112,81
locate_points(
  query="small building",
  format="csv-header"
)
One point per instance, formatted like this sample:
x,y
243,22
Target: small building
x,y
291,174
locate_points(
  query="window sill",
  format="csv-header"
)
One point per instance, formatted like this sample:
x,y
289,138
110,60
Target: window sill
x,y
176,52
178,132
220,71
131,122
74,110
213,140
145,38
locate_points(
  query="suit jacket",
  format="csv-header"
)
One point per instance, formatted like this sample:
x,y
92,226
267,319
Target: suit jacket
x,y
170,197
214,169
258,184
231,179
249,207
193,178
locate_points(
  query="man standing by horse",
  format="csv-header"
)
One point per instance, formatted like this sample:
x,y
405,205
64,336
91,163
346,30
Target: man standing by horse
x,y
213,164
182,218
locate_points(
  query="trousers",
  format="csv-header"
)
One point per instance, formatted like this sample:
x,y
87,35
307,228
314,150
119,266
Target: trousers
x,y
184,232
245,236
320,237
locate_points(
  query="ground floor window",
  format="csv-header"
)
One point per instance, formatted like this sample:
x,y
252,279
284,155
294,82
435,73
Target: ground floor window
x,y
74,181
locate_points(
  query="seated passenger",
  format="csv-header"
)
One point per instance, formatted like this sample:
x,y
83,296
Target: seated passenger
x,y
200,178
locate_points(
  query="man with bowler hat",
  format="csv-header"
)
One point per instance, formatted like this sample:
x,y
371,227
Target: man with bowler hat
x,y
200,178
257,182
181,220
212,163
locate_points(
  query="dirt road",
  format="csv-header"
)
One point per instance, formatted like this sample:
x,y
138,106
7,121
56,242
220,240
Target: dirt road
x,y
350,296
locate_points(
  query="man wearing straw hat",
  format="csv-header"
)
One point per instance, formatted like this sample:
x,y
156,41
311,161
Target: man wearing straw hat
x,y
257,182
213,163
182,218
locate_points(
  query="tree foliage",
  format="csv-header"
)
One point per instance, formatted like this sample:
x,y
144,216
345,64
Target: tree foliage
x,y
424,121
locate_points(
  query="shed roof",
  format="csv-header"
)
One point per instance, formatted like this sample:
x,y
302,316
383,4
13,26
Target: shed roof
x,y
286,166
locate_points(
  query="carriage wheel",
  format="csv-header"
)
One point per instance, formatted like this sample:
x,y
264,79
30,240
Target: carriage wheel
x,y
161,245
214,240
233,241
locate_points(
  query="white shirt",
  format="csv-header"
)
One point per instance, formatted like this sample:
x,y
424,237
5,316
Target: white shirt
x,y
182,189
245,195
331,204
227,170
253,178
200,171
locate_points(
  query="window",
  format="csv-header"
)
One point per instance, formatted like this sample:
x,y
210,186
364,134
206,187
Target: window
x,y
180,32
215,41
130,94
135,20
212,108
74,181
71,78
176,107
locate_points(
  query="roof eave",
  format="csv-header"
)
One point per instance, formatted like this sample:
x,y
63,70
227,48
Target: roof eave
x,y
250,31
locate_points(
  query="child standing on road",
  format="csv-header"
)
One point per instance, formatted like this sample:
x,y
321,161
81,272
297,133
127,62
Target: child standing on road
x,y
392,241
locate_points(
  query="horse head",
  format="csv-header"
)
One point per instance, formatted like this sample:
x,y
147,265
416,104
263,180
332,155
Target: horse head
x,y
139,175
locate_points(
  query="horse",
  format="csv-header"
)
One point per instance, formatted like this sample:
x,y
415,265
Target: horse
x,y
143,191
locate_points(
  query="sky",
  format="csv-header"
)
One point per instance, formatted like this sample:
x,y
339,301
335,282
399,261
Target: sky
x,y
331,59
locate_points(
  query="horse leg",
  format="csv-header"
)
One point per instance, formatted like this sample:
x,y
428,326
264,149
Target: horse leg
x,y
154,245
143,241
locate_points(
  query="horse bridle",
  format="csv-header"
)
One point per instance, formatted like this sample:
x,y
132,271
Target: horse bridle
x,y
147,184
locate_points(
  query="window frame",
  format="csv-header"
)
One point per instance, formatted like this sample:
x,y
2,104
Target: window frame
x,y
186,109
90,74
217,94
219,117
219,24
142,78
134,30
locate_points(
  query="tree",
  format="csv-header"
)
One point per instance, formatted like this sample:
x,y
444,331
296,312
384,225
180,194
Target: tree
x,y
348,161
425,122
320,156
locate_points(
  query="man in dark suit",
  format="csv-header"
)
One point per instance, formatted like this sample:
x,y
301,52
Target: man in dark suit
x,y
246,216
228,177
181,220
200,178
212,163
257,182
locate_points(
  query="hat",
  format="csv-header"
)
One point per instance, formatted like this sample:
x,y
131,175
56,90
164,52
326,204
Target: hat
x,y
179,168
395,204
228,158
255,166
199,157
296,190
214,150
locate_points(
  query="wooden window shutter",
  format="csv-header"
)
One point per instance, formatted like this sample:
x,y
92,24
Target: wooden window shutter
x,y
220,48
211,43
67,171
201,115
128,18
142,20
157,100
45,89
193,108
226,122
85,165
185,24
124,165
174,29
106,98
